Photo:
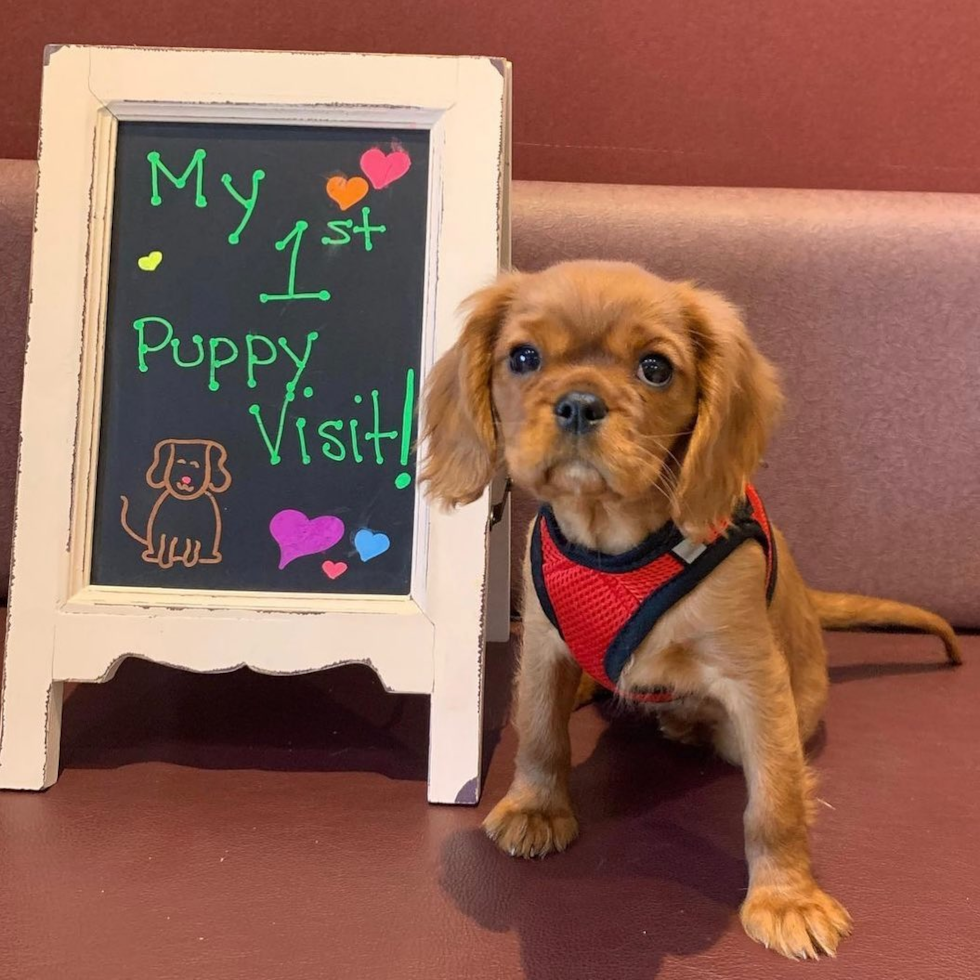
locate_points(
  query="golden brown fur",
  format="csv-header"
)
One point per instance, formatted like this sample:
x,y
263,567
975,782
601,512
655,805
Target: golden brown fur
x,y
756,676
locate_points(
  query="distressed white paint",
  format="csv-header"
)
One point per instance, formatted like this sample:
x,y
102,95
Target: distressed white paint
x,y
498,567
62,628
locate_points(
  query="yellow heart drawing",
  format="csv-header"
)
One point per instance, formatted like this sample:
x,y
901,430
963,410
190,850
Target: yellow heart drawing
x,y
148,263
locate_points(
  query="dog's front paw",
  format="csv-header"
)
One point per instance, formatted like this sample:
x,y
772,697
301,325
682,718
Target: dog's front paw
x,y
800,923
523,829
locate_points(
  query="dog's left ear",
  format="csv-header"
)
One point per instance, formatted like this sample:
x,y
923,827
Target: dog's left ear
x,y
739,400
459,430
217,457
159,470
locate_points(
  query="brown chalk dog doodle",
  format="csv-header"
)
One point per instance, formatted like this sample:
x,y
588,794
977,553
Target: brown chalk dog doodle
x,y
184,526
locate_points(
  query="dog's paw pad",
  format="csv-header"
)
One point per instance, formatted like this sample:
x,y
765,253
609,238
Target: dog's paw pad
x,y
800,924
523,830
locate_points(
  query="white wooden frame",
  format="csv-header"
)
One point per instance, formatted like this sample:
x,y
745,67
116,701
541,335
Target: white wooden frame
x,y
59,627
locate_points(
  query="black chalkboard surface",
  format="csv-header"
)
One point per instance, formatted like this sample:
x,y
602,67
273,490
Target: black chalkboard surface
x,y
262,354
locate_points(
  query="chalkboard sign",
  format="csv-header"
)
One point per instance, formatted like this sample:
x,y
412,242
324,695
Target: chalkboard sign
x,y
262,354
245,265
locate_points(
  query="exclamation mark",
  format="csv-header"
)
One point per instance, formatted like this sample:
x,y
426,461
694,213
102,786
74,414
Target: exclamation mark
x,y
404,479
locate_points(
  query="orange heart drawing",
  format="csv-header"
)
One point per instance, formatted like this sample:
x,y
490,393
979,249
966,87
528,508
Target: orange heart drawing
x,y
346,192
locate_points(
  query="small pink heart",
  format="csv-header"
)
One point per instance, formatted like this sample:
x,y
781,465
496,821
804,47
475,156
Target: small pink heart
x,y
383,168
334,569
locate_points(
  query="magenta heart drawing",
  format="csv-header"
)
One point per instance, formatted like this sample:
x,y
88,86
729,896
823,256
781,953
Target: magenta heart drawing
x,y
298,535
383,168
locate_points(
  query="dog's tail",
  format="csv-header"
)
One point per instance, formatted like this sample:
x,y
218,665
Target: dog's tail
x,y
841,611
125,523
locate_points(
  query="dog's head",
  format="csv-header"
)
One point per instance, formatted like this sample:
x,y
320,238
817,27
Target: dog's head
x,y
187,468
600,380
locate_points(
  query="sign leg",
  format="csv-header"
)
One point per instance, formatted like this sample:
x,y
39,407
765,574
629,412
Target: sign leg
x,y
455,727
30,722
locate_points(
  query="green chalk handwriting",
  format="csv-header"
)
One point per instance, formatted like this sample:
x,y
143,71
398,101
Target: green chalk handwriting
x,y
248,203
343,229
301,432
198,341
366,228
215,362
340,227
408,413
252,359
142,347
332,447
288,397
376,435
157,166
355,451
296,236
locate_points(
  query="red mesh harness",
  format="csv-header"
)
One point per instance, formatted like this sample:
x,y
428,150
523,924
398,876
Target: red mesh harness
x,y
604,605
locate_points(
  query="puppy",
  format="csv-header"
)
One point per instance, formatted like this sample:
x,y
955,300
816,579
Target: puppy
x,y
184,525
636,411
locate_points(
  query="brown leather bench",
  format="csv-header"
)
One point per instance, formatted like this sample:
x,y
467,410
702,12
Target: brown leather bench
x,y
288,834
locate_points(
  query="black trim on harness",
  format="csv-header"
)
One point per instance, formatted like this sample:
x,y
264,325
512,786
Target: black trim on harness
x,y
658,543
643,620
773,557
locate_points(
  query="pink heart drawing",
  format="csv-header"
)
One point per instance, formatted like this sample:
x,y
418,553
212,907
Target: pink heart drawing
x,y
383,168
334,569
297,535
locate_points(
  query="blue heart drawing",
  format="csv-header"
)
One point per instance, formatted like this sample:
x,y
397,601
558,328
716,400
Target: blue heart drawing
x,y
370,544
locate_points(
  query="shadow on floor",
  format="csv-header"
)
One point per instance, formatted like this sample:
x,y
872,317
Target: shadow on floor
x,y
647,878
339,720
659,868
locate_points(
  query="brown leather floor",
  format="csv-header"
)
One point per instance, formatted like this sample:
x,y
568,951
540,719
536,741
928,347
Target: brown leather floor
x,y
238,826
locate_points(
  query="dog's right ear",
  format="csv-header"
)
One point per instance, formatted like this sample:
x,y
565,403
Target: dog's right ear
x,y
217,456
163,457
459,430
739,400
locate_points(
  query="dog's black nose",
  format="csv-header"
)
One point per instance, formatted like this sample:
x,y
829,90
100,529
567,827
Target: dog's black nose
x,y
580,411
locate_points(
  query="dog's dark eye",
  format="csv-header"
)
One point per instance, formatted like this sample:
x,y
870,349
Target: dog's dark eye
x,y
655,370
524,359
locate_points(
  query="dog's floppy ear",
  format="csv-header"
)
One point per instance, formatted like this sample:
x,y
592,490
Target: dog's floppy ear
x,y
163,456
739,400
217,457
459,430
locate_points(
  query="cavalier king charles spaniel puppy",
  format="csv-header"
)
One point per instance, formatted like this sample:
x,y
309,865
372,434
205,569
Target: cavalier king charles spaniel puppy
x,y
636,410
